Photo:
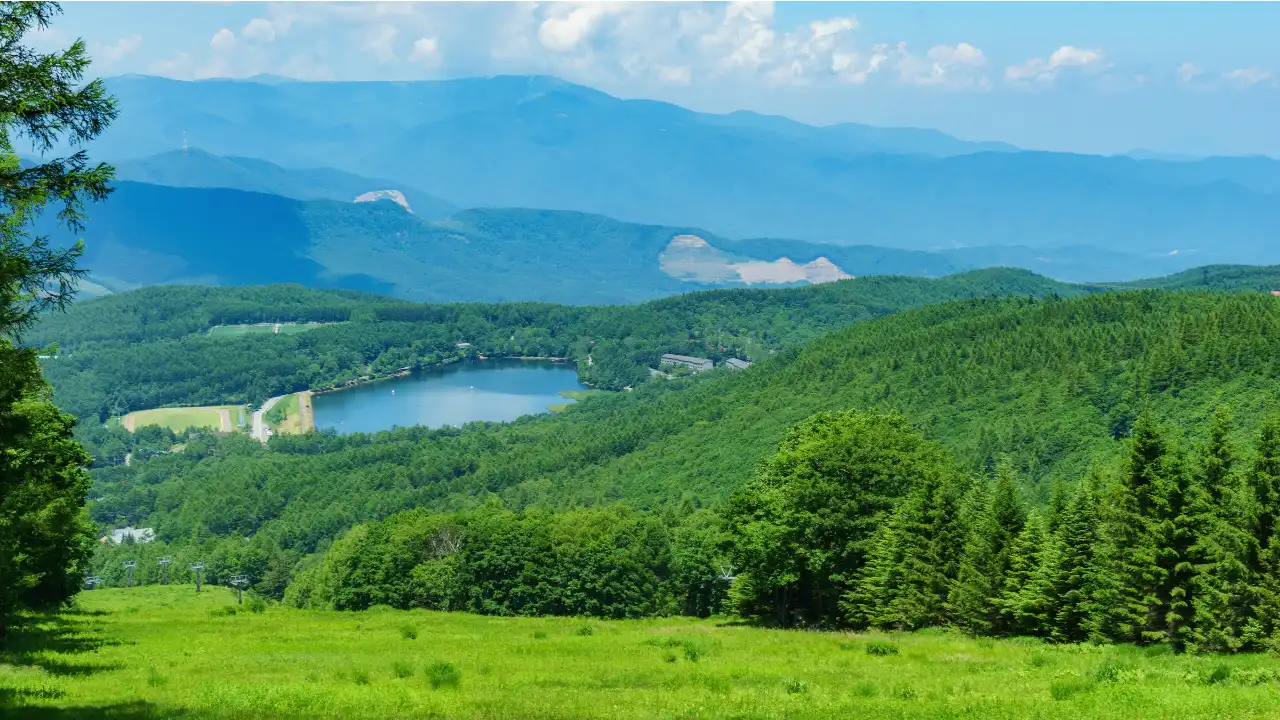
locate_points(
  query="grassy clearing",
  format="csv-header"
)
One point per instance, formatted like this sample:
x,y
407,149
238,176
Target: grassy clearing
x,y
284,329
164,652
183,418
289,410
578,395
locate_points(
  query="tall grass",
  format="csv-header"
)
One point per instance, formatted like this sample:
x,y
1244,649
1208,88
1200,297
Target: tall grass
x,y
163,650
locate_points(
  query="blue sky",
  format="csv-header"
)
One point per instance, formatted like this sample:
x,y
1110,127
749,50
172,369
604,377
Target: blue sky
x,y
1198,78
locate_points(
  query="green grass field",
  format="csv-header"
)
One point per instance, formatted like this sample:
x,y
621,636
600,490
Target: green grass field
x,y
180,419
285,329
578,395
289,409
163,652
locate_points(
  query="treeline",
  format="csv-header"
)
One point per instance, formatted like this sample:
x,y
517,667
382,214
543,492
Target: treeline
x,y
606,562
858,521
1176,545
149,348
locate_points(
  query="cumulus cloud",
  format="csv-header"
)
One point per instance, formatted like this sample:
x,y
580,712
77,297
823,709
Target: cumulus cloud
x,y
380,42
260,29
118,50
1245,77
1045,72
629,47
426,51
953,66
1188,72
222,41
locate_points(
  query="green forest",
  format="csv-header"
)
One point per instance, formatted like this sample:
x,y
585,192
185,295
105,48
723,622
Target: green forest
x,y
150,348
1003,417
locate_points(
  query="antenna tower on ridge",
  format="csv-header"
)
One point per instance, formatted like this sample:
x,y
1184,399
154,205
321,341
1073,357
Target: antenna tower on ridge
x,y
185,147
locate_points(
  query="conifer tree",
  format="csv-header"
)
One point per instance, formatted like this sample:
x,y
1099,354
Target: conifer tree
x,y
1140,530
1215,521
1016,602
1263,491
975,600
1065,596
914,560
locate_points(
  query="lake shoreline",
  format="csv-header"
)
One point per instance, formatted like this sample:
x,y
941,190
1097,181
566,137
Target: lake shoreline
x,y
464,390
406,372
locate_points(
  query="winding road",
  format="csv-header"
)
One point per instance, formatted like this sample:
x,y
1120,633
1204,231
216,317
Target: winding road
x,y
260,431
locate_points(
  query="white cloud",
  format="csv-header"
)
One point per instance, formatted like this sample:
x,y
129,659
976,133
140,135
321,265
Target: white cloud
x,y
426,51
178,66
570,26
953,66
1188,71
381,43
119,49
259,29
1245,77
222,41
681,75
1045,72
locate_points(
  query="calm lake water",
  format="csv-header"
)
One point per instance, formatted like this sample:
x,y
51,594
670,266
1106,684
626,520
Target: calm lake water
x,y
496,390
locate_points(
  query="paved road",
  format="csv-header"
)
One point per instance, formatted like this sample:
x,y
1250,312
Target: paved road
x,y
259,431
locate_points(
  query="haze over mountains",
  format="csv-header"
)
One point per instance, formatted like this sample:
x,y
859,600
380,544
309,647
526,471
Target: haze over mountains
x,y
865,200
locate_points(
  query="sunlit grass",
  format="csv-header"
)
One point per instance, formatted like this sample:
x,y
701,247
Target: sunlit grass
x,y
163,651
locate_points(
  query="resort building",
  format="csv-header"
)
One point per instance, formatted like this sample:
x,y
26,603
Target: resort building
x,y
736,364
693,363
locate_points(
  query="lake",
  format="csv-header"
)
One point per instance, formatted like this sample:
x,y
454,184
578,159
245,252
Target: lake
x,y
495,390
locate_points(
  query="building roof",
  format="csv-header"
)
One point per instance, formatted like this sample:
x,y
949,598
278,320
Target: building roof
x,y
686,359
137,534
737,364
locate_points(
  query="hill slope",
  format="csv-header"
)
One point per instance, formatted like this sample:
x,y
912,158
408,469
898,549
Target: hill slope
x,y
148,234
1052,383
565,147
199,169
149,348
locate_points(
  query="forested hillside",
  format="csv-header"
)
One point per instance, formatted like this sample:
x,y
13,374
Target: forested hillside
x,y
149,348
1054,384
197,168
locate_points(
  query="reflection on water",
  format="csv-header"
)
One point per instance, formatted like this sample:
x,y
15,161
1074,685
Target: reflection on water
x,y
497,390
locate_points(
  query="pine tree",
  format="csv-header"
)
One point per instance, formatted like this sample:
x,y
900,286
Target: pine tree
x,y
1065,593
1216,522
914,560
1263,479
975,600
1263,553
1018,611
1141,528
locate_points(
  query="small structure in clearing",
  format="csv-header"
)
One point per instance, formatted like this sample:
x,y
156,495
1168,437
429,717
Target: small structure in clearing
x,y
138,535
693,363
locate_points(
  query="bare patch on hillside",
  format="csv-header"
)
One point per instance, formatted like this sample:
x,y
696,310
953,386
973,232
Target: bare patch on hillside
x,y
393,195
692,259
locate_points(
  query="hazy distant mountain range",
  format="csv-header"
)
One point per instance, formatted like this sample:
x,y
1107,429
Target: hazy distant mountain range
x,y
252,182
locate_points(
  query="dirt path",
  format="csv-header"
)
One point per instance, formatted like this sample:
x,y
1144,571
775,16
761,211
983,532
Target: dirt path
x,y
127,422
305,410
225,416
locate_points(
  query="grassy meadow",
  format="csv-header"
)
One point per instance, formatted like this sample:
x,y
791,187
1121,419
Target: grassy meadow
x,y
181,418
285,329
295,421
161,652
